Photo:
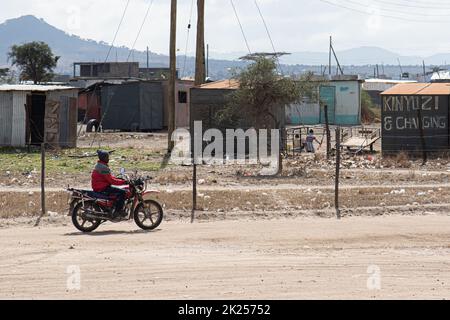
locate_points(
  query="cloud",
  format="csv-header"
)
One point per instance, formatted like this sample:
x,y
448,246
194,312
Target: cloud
x,y
295,25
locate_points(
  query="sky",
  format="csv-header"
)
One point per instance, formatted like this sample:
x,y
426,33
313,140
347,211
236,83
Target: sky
x,y
407,27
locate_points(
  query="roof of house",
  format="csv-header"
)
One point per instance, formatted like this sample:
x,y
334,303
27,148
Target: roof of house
x,y
222,84
40,88
424,89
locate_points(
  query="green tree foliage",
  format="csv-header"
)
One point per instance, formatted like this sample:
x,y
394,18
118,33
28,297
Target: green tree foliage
x,y
35,60
370,113
262,95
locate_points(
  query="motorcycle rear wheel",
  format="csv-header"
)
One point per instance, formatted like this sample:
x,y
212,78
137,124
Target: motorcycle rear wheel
x,y
79,219
150,211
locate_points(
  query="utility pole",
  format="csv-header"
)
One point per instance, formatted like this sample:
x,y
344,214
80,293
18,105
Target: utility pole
x,y
148,64
200,78
200,73
424,71
207,61
329,56
173,73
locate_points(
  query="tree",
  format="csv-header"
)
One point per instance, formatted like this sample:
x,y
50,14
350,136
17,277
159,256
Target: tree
x,y
262,96
35,60
370,113
7,76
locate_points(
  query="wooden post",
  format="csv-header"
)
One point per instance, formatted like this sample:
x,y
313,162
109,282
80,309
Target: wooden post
x,y
200,72
327,128
338,167
194,192
200,78
422,138
173,73
43,208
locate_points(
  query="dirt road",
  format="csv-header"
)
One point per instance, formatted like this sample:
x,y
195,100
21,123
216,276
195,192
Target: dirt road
x,y
407,257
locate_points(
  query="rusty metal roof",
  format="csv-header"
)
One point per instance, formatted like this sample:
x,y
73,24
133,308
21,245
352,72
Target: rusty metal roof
x,y
423,89
223,84
42,88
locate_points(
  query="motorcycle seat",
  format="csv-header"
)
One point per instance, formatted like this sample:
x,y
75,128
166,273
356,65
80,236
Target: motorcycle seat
x,y
96,195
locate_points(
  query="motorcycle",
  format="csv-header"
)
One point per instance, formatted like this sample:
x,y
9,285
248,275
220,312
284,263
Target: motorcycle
x,y
90,209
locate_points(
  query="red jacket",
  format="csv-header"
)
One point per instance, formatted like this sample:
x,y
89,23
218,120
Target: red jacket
x,y
102,178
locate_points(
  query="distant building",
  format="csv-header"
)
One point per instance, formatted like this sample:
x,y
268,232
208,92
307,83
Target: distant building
x,y
441,76
342,95
33,114
138,105
155,73
109,70
374,87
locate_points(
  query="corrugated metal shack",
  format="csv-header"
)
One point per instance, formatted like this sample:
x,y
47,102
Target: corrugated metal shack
x,y
343,98
33,114
133,106
405,107
182,101
374,87
211,98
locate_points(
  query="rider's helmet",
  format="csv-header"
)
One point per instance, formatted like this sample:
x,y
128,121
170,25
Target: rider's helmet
x,y
103,156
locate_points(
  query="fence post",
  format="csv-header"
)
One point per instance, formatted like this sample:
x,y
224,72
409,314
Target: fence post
x,y
422,138
194,190
43,208
327,128
338,166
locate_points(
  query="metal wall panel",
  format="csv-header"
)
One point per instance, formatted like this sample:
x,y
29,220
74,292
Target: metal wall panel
x,y
121,107
151,106
348,102
400,123
6,116
19,122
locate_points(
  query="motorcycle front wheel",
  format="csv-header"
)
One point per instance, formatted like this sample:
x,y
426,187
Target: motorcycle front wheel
x,y
148,215
79,219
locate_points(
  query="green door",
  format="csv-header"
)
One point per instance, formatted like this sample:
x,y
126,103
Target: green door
x,y
328,97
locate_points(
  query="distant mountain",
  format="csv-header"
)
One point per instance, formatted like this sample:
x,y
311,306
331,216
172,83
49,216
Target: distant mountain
x,y
72,48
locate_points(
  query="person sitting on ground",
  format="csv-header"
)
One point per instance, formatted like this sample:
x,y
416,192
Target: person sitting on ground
x,y
102,181
310,142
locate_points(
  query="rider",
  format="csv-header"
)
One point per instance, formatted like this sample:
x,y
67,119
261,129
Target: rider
x,y
103,181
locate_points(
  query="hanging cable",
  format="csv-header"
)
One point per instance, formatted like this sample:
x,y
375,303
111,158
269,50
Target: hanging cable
x,y
118,29
140,29
240,25
270,37
187,40
106,59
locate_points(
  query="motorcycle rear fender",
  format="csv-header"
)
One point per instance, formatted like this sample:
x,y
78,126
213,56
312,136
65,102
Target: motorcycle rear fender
x,y
148,193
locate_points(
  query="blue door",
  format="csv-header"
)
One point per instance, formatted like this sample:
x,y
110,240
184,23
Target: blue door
x,y
328,97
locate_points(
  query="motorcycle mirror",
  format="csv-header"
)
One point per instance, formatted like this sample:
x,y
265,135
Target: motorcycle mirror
x,y
122,171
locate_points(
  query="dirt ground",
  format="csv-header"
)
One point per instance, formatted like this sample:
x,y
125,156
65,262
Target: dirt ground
x,y
255,237
396,257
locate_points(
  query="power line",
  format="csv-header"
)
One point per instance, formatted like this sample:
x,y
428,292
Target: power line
x,y
408,4
118,29
140,29
187,39
382,15
413,15
106,59
268,34
240,25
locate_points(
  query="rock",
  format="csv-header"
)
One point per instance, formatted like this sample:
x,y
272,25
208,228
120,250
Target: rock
x,y
30,193
201,181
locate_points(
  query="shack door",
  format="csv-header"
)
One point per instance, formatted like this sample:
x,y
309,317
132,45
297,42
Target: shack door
x,y
328,97
36,118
